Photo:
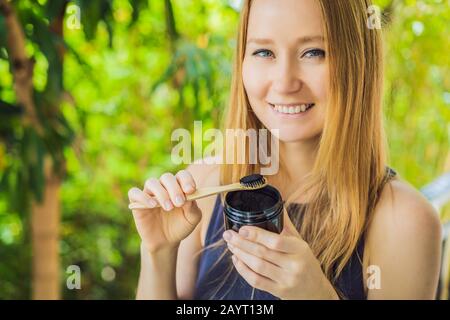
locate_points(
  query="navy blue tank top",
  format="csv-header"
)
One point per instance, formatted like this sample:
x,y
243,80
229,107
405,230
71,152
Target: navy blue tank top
x,y
218,279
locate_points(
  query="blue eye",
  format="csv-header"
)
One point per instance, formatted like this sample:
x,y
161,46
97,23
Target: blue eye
x,y
314,53
257,52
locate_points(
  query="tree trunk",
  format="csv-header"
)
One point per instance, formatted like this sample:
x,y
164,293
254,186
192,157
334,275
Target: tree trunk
x,y
44,215
45,220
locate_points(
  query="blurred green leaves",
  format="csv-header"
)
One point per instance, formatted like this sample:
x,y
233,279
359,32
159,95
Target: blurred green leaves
x,y
417,80
126,84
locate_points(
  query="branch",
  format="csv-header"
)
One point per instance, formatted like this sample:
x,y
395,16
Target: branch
x,y
22,66
170,23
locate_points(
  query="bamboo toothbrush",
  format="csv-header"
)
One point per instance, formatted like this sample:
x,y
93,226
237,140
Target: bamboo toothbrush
x,y
251,182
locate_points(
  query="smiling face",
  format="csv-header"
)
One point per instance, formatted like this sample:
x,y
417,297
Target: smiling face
x,y
284,69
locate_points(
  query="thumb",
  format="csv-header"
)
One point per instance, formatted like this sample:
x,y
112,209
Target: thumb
x,y
192,212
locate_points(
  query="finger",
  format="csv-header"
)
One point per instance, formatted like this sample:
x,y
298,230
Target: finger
x,y
257,264
271,240
170,183
154,187
137,195
253,248
186,181
253,279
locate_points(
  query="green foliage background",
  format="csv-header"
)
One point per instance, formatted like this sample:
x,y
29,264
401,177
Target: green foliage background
x,y
125,93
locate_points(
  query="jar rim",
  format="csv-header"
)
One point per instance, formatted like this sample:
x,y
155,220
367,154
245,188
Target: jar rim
x,y
254,216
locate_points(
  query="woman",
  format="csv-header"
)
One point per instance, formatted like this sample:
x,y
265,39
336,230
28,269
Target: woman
x,y
352,229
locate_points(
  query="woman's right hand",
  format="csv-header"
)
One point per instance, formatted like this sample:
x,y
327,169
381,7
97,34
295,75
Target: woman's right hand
x,y
165,226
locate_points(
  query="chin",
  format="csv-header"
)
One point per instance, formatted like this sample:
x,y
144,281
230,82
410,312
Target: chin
x,y
292,132
290,138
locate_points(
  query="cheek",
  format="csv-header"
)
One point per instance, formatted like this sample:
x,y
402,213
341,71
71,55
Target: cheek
x,y
253,80
318,83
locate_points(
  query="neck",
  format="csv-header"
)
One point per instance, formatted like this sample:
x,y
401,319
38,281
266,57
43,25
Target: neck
x,y
298,159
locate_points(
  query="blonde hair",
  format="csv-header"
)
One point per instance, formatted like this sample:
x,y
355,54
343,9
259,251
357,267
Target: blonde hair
x,y
349,169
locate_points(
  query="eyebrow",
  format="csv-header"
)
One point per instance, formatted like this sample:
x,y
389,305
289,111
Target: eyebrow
x,y
301,40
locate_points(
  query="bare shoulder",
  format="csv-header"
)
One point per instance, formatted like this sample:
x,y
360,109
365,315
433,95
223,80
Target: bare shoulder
x,y
404,240
204,171
403,208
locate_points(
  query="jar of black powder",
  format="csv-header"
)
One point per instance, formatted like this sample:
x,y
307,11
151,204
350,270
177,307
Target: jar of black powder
x,y
262,208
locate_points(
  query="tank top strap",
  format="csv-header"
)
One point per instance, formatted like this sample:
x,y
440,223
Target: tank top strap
x,y
390,173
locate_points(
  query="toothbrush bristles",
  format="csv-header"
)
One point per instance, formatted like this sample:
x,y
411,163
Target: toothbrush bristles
x,y
254,181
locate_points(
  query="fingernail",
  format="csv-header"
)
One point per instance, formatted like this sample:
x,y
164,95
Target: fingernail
x,y
179,200
243,232
227,235
167,205
190,187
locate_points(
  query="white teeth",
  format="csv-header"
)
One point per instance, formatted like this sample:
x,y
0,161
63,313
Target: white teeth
x,y
291,110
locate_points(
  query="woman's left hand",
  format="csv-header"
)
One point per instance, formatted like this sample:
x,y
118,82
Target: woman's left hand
x,y
281,264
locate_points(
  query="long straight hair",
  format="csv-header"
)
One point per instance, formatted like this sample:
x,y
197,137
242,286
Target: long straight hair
x,y
349,169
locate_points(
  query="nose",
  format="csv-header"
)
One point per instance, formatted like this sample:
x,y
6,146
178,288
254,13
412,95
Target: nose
x,y
286,77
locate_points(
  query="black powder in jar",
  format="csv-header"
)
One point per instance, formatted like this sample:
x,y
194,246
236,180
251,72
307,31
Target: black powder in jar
x,y
262,208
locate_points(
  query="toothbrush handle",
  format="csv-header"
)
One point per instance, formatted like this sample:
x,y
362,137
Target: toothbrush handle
x,y
209,191
198,194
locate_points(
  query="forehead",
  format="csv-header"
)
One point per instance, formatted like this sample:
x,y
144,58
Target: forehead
x,y
284,19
